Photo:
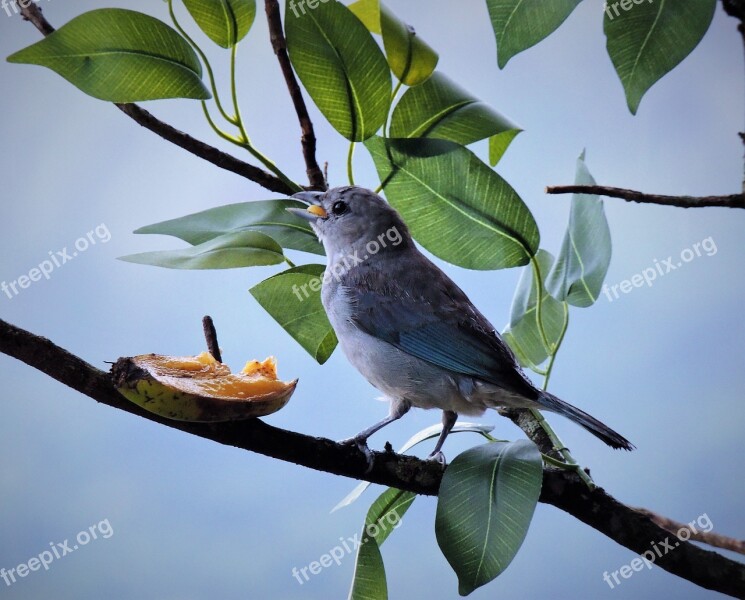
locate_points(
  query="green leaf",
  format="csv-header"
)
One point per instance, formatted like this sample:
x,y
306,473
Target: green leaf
x,y
433,431
580,268
385,514
120,56
648,40
225,22
369,581
411,59
293,299
439,108
265,216
523,334
382,518
520,24
499,143
229,251
340,65
425,434
368,11
454,204
486,502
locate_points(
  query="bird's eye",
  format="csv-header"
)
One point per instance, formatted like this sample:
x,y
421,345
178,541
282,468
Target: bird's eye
x,y
339,208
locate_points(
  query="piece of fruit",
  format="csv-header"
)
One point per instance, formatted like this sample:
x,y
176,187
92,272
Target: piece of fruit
x,y
201,389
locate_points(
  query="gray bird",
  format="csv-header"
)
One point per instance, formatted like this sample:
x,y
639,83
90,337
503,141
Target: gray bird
x,y
411,331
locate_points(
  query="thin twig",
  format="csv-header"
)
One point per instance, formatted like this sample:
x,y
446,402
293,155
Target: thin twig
x,y
731,201
308,139
32,13
716,540
210,336
562,489
736,8
205,151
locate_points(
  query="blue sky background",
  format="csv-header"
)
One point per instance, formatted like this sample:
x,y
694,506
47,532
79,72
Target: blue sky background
x,y
191,519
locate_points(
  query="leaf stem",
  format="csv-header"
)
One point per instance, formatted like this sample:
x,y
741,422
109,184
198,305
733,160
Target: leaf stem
x,y
552,350
387,124
223,134
552,356
236,119
269,164
234,95
350,165
562,449
556,463
538,280
205,60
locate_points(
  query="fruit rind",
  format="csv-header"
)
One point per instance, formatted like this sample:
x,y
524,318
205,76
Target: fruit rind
x,y
200,389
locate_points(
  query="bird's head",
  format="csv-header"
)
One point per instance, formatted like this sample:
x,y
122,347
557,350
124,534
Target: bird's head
x,y
349,219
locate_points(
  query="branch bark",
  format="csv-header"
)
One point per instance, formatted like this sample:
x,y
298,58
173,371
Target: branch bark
x,y
731,201
562,489
711,538
308,138
632,528
736,9
32,13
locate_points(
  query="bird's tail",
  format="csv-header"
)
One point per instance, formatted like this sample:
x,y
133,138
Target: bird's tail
x,y
598,429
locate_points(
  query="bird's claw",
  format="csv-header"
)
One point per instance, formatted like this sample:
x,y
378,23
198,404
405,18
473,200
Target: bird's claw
x,y
438,457
361,445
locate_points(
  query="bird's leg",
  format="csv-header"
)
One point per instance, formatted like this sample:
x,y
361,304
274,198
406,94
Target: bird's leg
x,y
448,420
398,409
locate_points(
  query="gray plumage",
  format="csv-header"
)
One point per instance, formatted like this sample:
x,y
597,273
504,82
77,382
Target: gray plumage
x,y
411,331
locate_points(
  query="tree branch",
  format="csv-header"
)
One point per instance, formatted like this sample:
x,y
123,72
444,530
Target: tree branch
x,y
524,419
204,151
210,336
308,139
632,528
731,201
32,13
736,9
562,489
706,537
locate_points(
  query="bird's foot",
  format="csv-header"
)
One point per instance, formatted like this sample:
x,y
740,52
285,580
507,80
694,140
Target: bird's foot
x,y
438,457
361,444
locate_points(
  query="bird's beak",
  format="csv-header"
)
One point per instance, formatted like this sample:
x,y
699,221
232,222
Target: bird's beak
x,y
315,211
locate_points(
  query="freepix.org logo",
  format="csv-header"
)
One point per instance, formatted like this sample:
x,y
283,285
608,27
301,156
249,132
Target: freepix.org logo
x,y
57,550
350,260
55,260
648,276
11,7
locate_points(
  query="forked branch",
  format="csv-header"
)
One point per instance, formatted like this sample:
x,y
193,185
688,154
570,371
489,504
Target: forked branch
x,y
32,13
563,489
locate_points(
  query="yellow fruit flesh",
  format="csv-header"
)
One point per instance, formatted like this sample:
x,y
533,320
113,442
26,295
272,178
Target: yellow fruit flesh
x,y
200,389
204,364
267,369
203,376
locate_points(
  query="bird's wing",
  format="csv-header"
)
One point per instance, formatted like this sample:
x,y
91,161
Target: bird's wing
x,y
435,322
